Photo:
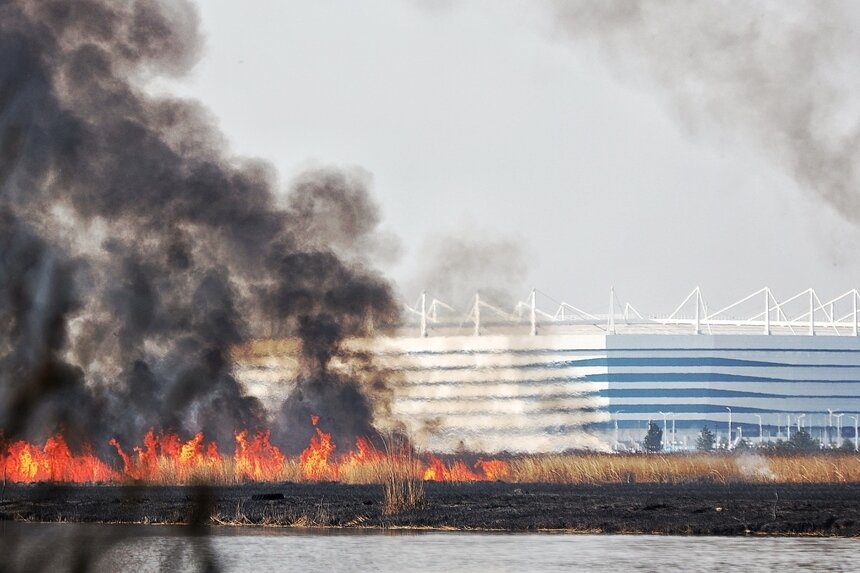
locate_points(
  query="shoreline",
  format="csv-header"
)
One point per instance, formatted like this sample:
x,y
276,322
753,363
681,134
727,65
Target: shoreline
x,y
214,528
689,509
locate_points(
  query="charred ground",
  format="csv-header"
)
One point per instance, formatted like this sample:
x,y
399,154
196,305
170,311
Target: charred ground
x,y
665,509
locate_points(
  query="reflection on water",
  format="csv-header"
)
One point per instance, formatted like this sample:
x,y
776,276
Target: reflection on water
x,y
53,547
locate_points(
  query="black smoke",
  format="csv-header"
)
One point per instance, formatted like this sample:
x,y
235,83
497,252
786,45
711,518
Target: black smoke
x,y
136,251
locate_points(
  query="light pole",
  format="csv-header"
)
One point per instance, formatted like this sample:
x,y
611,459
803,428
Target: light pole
x,y
799,418
760,437
665,428
829,423
730,426
673,431
838,427
616,429
788,427
856,449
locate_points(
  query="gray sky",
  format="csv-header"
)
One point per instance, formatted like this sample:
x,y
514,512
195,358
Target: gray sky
x,y
479,117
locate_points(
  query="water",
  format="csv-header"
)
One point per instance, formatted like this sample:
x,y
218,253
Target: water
x,y
54,547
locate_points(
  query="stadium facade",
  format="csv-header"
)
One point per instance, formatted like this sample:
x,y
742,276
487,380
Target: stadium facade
x,y
530,380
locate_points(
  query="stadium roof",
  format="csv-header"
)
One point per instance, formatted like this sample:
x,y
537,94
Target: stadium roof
x,y
760,313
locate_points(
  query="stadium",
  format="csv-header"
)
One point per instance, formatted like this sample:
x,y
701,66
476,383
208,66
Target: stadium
x,y
538,380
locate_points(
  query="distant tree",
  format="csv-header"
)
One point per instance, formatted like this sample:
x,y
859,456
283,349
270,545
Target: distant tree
x,y
654,438
847,445
705,440
803,441
742,444
778,445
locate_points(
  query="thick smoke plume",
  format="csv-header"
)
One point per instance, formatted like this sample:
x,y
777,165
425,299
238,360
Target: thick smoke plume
x,y
135,251
782,73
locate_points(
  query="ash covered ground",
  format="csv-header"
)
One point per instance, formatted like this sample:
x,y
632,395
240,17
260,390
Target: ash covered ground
x,y
666,509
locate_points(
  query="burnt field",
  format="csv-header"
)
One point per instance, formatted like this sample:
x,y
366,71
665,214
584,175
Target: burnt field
x,y
669,509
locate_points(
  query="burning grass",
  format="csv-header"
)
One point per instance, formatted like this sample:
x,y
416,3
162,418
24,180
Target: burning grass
x,y
164,459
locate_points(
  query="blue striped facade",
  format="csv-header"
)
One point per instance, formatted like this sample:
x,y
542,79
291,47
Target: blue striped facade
x,y
576,389
552,392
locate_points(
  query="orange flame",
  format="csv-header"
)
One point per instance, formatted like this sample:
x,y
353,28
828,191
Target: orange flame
x,y
493,469
26,463
314,460
258,460
437,470
166,458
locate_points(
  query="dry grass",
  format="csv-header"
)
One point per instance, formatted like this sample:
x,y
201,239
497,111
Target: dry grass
x,y
679,468
401,475
817,469
170,472
367,472
277,516
401,472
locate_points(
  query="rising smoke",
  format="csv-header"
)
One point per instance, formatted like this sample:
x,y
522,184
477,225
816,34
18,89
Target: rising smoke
x,y
782,74
458,266
135,250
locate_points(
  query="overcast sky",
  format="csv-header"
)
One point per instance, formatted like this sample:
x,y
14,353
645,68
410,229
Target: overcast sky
x,y
480,117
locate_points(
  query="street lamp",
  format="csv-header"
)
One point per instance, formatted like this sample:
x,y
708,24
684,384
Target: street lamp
x,y
616,429
788,427
829,424
760,437
673,431
856,449
799,418
665,428
730,426
838,427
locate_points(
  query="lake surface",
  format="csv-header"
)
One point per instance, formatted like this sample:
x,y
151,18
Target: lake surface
x,y
58,547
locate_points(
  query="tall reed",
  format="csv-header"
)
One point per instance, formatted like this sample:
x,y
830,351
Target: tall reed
x,y
401,475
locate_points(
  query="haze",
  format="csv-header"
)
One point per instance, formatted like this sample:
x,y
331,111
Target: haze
x,y
481,119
